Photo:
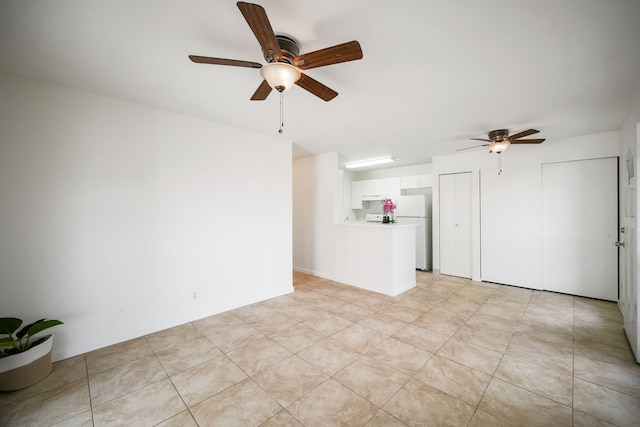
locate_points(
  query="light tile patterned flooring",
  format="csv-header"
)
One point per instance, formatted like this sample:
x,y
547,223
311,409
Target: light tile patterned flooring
x,y
449,352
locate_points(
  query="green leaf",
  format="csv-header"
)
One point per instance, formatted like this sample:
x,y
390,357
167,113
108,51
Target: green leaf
x,y
7,342
22,332
41,325
8,325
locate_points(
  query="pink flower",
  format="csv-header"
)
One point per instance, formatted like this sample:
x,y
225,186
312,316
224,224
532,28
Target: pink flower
x,y
387,206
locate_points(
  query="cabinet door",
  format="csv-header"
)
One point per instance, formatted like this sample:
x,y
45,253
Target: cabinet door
x,y
416,181
356,195
393,188
368,188
455,224
380,187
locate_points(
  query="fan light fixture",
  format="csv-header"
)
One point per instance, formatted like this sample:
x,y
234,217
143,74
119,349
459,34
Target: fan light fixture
x,y
371,162
499,146
280,75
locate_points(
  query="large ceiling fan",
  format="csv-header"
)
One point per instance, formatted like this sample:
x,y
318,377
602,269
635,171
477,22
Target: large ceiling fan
x,y
284,64
499,140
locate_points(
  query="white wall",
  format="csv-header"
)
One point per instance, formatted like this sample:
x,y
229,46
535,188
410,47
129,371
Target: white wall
x,y
577,148
108,205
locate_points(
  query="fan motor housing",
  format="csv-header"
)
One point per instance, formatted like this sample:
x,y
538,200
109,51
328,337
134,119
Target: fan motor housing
x,y
498,135
289,48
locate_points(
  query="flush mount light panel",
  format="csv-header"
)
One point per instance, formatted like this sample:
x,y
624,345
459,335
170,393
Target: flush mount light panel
x,y
370,162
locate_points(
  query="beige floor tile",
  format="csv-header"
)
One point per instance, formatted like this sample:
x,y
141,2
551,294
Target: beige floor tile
x,y
445,320
259,355
332,404
540,380
352,312
482,419
290,379
218,321
419,404
603,352
580,419
404,311
230,337
173,337
251,312
329,355
49,407
273,323
404,357
541,353
614,337
372,379
559,337
83,419
612,406
117,355
383,323
471,355
281,419
301,311
423,338
297,338
244,404
203,381
373,303
383,419
188,355
148,406
359,338
116,382
455,379
510,312
183,419
484,337
624,378
328,323
523,408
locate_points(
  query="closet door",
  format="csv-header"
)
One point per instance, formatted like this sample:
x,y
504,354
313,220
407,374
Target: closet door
x,y
580,207
511,226
455,224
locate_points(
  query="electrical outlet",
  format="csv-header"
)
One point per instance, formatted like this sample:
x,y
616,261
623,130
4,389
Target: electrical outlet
x,y
121,311
195,294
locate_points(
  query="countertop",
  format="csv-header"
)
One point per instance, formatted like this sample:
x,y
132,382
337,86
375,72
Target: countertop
x,y
374,224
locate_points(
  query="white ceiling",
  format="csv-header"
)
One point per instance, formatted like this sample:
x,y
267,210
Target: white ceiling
x,y
434,72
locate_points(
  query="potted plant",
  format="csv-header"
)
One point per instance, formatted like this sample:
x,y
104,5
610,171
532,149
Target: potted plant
x,y
24,358
387,208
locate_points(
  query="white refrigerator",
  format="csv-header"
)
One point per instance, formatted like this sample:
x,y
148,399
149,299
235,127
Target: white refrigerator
x,y
413,210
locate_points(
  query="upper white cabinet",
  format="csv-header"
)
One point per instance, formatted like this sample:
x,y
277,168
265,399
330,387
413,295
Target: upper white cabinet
x,y
374,189
393,188
416,181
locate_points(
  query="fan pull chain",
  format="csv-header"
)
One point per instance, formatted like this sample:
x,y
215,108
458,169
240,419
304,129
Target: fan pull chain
x,y
499,163
281,113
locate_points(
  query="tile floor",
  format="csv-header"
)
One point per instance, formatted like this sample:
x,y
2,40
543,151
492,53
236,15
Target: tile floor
x,y
449,352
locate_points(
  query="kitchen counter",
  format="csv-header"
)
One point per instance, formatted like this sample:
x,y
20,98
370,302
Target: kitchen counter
x,y
377,257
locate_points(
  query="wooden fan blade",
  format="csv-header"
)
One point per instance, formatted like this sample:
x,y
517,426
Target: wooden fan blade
x,y
223,61
262,92
257,19
528,141
316,88
523,134
480,139
344,52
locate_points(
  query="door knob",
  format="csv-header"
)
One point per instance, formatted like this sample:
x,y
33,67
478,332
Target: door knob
x,y
618,244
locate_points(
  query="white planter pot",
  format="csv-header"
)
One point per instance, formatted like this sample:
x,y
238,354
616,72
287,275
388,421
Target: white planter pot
x,y
27,368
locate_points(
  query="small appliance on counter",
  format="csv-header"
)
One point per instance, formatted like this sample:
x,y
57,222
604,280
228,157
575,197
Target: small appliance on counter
x,y
372,217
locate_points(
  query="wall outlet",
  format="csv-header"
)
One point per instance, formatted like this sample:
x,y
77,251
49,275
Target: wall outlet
x,y
121,311
195,294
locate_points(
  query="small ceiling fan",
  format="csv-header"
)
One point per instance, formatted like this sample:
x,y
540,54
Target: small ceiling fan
x,y
284,64
499,140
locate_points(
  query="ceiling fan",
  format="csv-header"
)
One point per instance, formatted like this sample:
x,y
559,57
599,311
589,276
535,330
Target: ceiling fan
x,y
499,140
284,64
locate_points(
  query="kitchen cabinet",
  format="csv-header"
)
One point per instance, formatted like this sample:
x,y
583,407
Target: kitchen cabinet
x,y
416,181
374,189
455,224
356,195
393,188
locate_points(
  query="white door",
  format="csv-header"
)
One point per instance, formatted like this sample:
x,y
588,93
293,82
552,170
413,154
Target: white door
x,y
511,226
455,224
580,214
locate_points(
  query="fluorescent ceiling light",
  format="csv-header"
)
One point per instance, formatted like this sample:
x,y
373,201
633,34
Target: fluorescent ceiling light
x,y
370,162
